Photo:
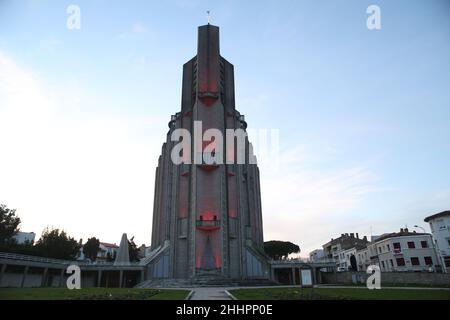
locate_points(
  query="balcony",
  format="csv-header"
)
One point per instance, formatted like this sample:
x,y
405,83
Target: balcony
x,y
208,222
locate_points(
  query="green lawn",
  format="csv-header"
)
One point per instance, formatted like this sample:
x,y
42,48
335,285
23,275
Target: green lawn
x,y
339,294
90,294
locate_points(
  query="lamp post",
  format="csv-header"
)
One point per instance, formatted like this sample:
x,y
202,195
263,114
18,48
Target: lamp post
x,y
423,229
436,251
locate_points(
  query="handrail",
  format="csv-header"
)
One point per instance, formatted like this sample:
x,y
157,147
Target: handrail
x,y
22,257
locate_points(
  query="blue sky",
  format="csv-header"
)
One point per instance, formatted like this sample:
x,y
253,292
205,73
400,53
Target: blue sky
x,y
363,115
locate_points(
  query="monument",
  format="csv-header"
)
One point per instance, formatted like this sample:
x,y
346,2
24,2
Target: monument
x,y
123,255
207,218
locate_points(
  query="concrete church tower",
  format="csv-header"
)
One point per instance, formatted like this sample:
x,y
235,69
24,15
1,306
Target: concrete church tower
x,y
207,218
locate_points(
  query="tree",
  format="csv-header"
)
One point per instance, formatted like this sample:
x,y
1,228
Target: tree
x,y
133,250
279,250
58,245
91,248
9,225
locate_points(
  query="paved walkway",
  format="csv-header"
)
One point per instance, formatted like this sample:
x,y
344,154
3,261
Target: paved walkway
x,y
208,293
218,293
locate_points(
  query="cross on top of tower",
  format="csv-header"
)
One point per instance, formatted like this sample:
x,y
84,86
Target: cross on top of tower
x,y
208,16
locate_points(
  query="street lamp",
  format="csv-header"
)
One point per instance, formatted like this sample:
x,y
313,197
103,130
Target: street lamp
x,y
416,226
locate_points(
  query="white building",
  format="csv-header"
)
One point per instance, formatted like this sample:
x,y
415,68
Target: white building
x,y
341,249
345,257
22,237
107,250
440,228
363,258
316,255
404,251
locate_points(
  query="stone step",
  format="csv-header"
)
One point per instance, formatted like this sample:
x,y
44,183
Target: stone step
x,y
203,282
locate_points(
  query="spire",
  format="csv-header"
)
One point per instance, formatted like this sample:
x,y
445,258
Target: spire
x,y
208,61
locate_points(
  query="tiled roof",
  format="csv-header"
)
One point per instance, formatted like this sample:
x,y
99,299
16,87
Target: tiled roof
x,y
109,245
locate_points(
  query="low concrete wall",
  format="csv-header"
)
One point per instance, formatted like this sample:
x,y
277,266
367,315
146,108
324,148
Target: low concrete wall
x,y
424,278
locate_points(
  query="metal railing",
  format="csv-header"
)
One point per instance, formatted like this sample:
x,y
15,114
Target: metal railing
x,y
22,257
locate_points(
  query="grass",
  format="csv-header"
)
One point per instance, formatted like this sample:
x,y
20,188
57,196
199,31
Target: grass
x,y
90,294
386,285
339,294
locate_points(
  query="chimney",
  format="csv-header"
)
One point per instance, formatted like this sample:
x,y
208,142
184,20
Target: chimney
x,y
365,238
406,230
357,235
401,230
352,235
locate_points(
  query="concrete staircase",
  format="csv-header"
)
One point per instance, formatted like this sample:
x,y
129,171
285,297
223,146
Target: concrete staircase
x,y
204,281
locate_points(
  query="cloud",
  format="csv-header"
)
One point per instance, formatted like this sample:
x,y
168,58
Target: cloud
x,y
306,205
136,31
49,44
139,28
87,174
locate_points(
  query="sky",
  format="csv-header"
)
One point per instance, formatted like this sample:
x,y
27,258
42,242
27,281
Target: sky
x,y
363,115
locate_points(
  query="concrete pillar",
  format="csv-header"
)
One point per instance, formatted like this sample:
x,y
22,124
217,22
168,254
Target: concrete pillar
x,y
313,275
25,272
142,275
44,277
293,276
319,276
120,278
99,278
2,272
61,277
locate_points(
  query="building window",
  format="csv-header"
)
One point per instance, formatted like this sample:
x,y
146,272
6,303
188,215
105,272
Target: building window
x,y
400,262
397,246
415,261
389,248
411,245
379,249
448,240
424,244
392,263
382,262
428,261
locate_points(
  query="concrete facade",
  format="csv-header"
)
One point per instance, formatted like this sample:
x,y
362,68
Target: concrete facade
x,y
389,278
405,251
28,271
207,218
341,249
440,228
